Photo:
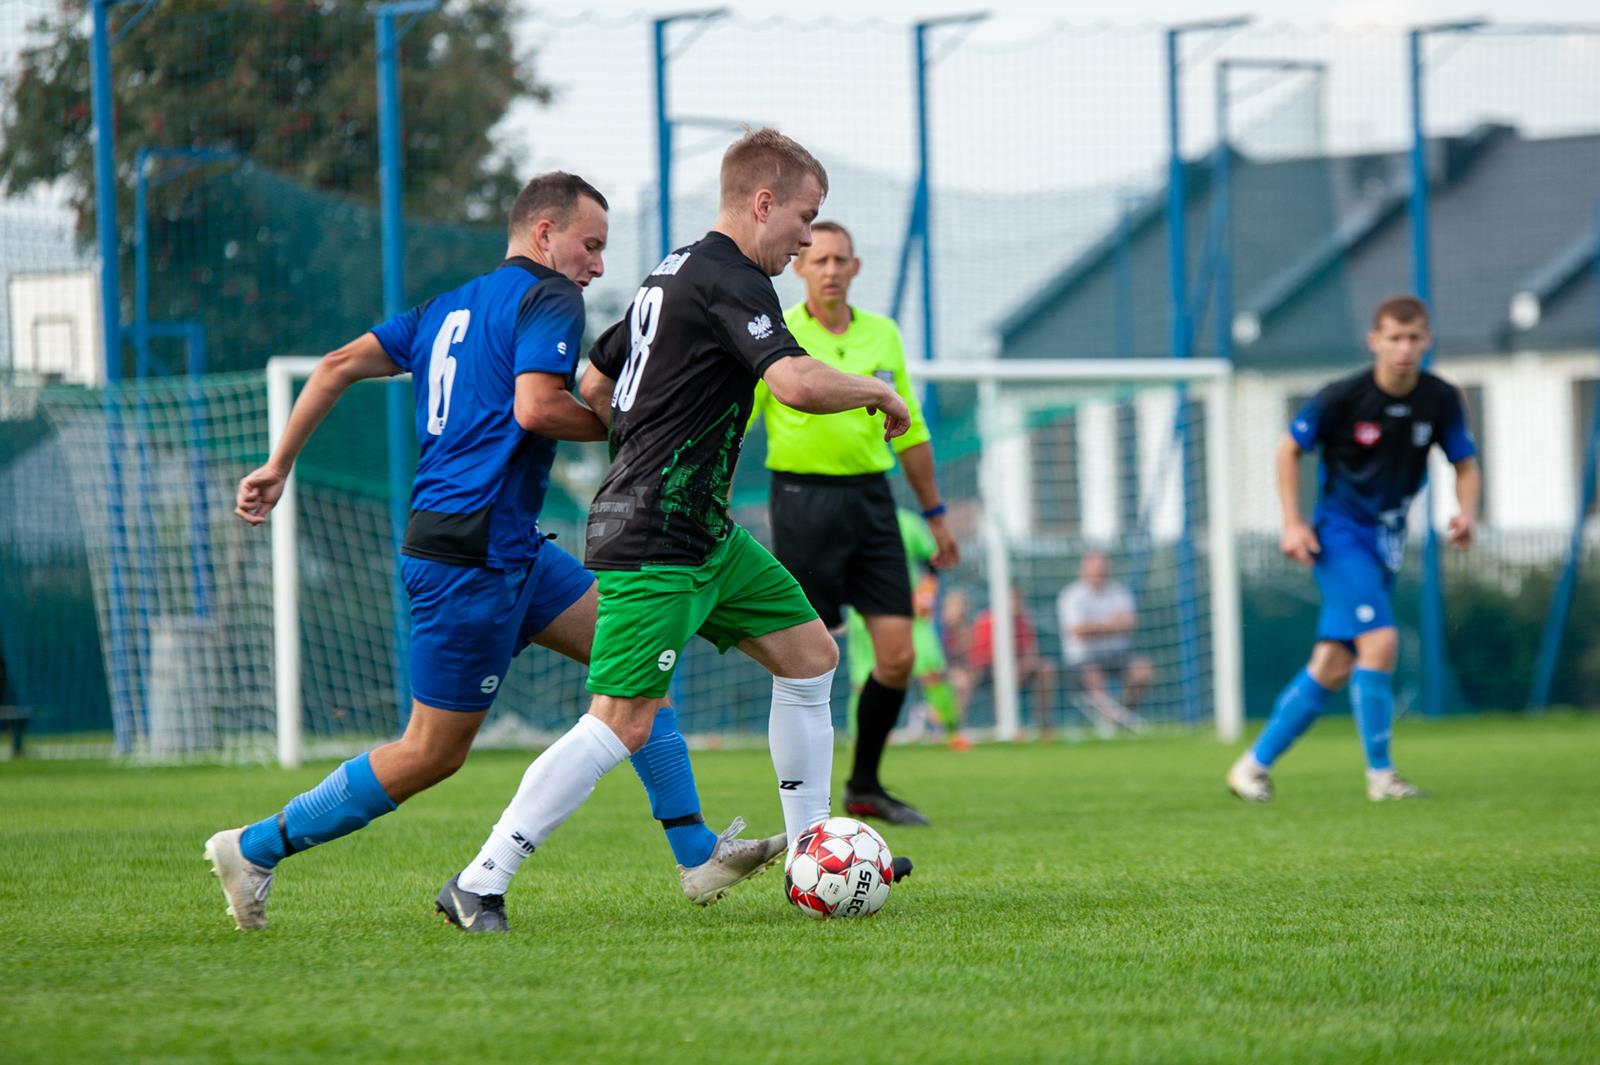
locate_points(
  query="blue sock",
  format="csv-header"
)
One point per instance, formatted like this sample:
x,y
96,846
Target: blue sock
x,y
1297,706
346,800
1372,700
664,770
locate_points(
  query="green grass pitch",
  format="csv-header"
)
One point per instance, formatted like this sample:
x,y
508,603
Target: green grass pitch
x,y
1090,902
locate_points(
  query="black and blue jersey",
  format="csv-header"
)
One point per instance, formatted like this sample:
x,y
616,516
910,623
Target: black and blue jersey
x,y
481,478
1375,446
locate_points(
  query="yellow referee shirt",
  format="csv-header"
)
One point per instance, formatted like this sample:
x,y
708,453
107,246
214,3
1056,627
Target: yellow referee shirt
x,y
850,442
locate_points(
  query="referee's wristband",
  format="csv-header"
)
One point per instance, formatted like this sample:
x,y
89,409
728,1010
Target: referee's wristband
x,y
934,511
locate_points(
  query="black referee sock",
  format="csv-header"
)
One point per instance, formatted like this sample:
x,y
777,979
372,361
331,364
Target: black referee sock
x,y
876,712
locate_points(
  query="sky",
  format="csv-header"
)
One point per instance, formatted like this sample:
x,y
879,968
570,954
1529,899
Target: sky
x,y
1301,12
1056,103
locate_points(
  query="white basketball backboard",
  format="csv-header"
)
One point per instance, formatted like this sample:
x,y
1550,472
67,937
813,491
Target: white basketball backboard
x,y
55,325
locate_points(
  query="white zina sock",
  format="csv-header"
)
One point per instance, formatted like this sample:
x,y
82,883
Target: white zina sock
x,y
555,785
800,735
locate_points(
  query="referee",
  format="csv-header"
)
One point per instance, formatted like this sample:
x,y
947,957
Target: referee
x,y
833,513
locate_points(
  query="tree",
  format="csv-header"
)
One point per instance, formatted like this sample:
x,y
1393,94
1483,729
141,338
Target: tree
x,y
291,87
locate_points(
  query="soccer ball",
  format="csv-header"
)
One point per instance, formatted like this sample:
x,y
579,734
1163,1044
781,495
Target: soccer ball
x,y
838,868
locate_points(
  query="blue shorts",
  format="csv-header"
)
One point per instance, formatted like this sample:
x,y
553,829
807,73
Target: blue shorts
x,y
1355,583
467,622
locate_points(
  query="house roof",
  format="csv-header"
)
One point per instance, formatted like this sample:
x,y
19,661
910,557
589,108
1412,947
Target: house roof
x,y
1317,242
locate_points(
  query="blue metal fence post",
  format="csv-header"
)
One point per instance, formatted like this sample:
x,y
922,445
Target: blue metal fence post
x,y
1432,602
664,120
398,407
1223,181
1555,623
925,198
1177,194
663,140
1435,658
141,263
105,180
121,665
1183,348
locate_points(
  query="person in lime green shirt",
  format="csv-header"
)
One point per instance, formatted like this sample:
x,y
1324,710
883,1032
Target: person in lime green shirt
x,y
929,665
833,512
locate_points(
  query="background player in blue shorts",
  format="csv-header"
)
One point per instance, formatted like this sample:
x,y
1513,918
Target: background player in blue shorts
x,y
492,363
1374,430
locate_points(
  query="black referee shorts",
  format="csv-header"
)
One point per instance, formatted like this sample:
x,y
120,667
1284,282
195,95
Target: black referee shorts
x,y
841,540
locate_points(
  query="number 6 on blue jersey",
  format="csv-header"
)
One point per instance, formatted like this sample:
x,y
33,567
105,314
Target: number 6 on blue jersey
x,y
442,368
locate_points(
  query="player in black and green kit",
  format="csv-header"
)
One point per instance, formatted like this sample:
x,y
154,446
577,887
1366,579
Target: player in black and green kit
x,y
833,513
675,381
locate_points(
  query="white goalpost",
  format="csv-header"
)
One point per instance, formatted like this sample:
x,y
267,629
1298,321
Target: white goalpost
x,y
1040,463
1006,391
281,375
1031,429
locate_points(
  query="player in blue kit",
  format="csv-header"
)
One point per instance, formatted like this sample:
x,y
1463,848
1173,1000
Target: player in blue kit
x,y
492,363
1375,430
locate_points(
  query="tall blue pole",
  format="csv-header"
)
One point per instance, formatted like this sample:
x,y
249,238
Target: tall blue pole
x,y
141,264
1182,348
925,180
1223,178
1177,271
1555,624
1434,660
398,410
105,182
663,139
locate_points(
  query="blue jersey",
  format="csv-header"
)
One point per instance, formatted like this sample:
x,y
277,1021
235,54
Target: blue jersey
x,y
481,478
1375,446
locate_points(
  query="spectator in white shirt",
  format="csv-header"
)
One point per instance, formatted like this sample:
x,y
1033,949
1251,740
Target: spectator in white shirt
x,y
1097,619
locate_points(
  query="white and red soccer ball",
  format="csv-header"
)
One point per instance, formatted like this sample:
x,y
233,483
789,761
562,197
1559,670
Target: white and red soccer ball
x,y
838,868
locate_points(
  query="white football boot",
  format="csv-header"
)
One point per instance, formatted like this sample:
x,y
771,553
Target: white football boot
x,y
1248,779
731,861
244,883
1384,784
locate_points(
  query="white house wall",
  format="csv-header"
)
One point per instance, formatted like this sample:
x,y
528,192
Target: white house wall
x,y
1097,469
1528,446
1527,441
1160,480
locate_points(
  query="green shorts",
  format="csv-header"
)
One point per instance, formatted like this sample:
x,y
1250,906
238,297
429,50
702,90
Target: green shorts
x,y
858,649
647,615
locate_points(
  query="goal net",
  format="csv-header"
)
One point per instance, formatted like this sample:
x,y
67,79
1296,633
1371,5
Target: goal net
x,y
289,641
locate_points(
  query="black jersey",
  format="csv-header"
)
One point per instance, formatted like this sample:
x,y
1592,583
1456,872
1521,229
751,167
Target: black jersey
x,y
1375,446
701,331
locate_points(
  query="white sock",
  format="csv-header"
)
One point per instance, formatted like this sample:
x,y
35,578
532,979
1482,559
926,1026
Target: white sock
x,y
800,735
555,785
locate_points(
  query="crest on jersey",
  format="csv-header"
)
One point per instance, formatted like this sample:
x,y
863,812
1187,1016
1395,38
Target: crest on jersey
x,y
760,327
1368,433
1421,434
